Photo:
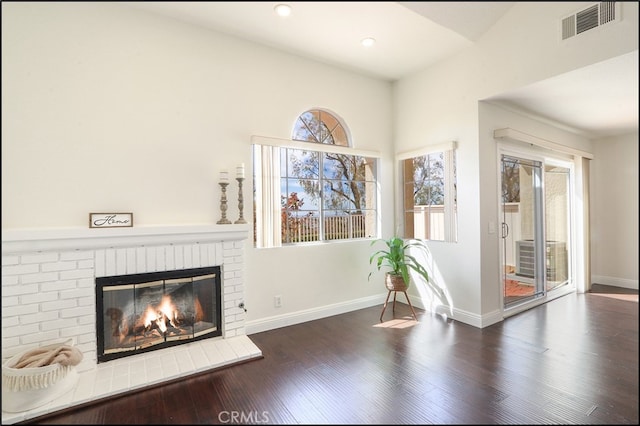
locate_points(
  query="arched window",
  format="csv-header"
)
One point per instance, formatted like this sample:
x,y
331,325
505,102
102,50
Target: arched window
x,y
325,190
321,127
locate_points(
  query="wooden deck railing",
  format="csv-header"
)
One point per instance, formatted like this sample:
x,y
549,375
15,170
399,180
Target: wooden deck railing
x,y
305,229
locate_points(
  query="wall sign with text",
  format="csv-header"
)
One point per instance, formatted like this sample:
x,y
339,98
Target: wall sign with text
x,y
110,220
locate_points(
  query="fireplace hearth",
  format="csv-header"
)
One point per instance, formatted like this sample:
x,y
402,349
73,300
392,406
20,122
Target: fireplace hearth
x,y
139,313
50,277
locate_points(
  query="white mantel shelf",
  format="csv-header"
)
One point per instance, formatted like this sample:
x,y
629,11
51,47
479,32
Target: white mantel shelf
x,y
30,240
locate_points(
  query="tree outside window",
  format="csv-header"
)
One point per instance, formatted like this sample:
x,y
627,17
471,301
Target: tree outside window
x,y
430,198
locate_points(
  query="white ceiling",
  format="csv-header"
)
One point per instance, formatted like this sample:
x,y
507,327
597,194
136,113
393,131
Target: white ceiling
x,y
597,101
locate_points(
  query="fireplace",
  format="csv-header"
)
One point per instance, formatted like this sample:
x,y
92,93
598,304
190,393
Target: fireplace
x,y
50,292
139,313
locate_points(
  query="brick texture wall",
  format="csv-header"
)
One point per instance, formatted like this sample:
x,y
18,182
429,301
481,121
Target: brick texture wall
x,y
50,295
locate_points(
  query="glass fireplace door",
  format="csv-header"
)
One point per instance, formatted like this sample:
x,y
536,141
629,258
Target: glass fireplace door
x,y
142,312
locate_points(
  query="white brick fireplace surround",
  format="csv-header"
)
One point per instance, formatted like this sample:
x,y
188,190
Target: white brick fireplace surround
x,y
48,295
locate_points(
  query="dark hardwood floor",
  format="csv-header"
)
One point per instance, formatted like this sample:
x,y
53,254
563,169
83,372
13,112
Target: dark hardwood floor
x,y
573,360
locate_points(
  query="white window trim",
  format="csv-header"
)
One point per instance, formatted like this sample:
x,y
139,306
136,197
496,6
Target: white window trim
x,y
430,149
450,216
269,227
312,146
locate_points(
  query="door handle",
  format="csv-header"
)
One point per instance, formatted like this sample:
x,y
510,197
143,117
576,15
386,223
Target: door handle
x,y
505,230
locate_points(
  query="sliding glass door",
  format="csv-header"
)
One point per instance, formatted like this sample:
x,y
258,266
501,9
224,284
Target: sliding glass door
x,y
557,224
535,215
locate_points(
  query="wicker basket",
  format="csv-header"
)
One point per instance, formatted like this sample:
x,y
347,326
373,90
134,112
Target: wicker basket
x,y
27,388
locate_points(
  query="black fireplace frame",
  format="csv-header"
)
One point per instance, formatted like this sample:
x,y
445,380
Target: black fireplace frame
x,y
115,280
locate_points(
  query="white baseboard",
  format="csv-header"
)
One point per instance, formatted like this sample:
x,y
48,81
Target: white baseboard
x,y
615,282
298,317
460,315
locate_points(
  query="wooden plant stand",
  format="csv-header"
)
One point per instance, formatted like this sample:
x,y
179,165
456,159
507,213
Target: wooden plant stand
x,y
394,303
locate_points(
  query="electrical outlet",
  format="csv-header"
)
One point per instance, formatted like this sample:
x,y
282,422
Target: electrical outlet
x,y
277,301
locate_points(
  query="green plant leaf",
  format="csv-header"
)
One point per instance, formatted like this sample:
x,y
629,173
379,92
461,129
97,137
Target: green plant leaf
x,y
397,258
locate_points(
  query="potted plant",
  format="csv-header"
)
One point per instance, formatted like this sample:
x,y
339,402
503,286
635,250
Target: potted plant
x,y
397,259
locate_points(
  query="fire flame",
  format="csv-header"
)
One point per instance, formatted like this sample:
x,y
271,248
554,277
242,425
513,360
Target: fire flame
x,y
156,320
164,314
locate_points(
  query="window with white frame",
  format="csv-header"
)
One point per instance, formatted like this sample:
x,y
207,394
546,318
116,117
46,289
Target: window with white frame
x,y
429,194
314,187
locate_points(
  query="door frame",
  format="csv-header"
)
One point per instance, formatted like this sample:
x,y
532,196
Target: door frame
x,y
544,156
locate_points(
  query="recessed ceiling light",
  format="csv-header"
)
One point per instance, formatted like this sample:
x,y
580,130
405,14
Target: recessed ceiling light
x,y
368,42
283,9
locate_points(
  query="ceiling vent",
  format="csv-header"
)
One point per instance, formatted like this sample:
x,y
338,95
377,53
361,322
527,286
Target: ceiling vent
x,y
592,17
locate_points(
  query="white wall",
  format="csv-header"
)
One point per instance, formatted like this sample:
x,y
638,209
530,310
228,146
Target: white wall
x,y
440,104
614,211
109,109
